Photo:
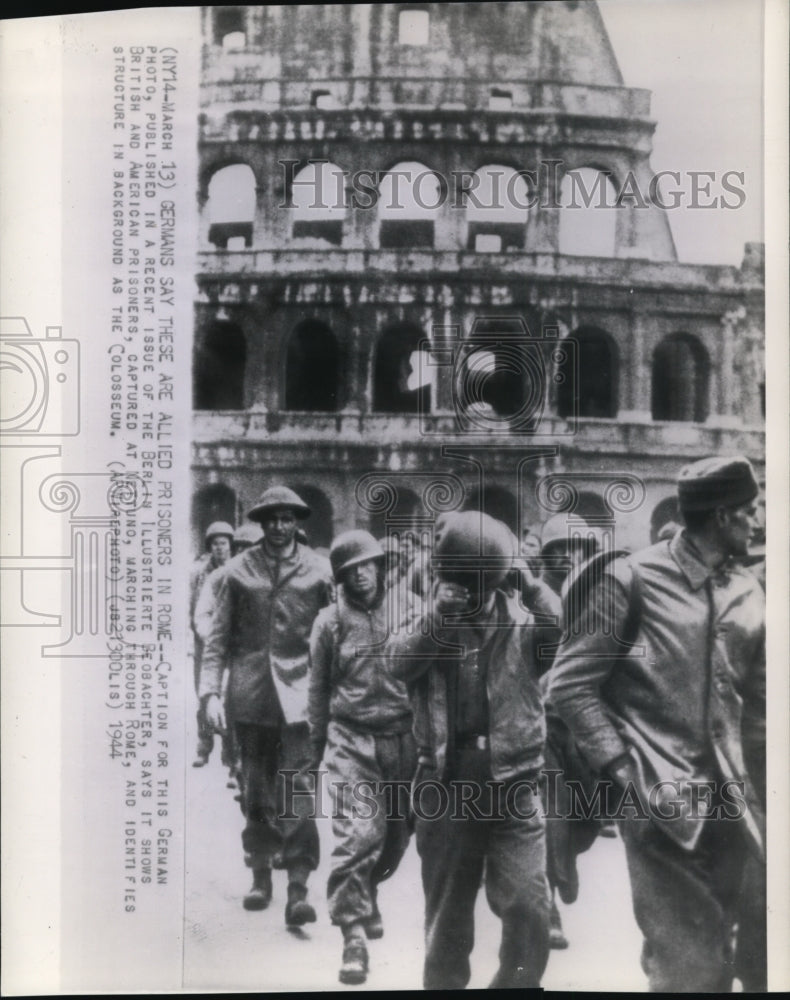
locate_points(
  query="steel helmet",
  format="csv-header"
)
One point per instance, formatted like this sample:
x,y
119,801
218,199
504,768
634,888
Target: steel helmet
x,y
567,529
248,534
279,496
390,546
471,543
353,547
218,528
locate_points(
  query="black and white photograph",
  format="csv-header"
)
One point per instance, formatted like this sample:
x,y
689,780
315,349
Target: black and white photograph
x,y
395,498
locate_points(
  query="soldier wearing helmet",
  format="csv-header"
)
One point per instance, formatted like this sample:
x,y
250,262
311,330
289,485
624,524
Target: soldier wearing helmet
x,y
218,539
360,724
265,607
470,664
565,543
244,536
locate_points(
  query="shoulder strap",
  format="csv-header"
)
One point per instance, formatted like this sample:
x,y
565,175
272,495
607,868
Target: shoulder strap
x,y
591,573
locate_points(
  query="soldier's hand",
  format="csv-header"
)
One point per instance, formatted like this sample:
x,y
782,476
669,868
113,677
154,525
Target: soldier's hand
x,y
450,598
215,713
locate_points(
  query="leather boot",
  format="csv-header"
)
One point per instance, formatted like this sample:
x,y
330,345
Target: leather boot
x,y
354,969
374,927
297,910
260,895
557,939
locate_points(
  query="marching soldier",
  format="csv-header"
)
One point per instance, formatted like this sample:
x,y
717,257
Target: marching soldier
x,y
479,730
360,723
266,605
679,721
244,536
218,537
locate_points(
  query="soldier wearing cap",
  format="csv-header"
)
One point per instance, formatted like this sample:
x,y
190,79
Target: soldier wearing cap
x,y
360,723
470,664
265,607
677,722
218,539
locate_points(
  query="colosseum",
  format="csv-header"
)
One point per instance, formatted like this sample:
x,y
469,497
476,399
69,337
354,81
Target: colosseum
x,y
403,305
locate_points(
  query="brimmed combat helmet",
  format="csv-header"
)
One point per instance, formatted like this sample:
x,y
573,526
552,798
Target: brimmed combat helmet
x,y
353,547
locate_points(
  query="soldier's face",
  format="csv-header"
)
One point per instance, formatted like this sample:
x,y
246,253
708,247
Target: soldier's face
x,y
362,579
220,549
279,527
738,526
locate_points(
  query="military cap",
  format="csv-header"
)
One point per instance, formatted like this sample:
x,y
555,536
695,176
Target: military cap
x,y
715,482
278,496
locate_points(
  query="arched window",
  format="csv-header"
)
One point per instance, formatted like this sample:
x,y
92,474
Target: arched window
x,y
591,505
218,373
318,203
319,527
229,28
680,379
408,507
499,384
497,206
231,207
413,26
589,386
588,217
402,375
410,196
312,368
666,512
497,502
216,502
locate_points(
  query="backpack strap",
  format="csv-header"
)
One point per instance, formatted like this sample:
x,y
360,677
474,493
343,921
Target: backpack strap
x,y
588,576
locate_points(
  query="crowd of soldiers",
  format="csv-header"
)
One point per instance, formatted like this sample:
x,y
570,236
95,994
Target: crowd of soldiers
x,y
501,684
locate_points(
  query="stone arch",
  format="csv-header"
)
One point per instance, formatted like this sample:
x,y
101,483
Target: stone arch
x,y
312,368
410,198
319,527
591,505
219,365
397,370
497,209
318,202
590,375
497,502
500,382
230,28
414,24
680,379
408,507
664,512
588,216
230,206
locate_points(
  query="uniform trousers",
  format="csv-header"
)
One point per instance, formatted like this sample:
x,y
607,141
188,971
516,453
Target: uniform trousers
x,y
460,847
688,903
369,774
278,825
205,741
